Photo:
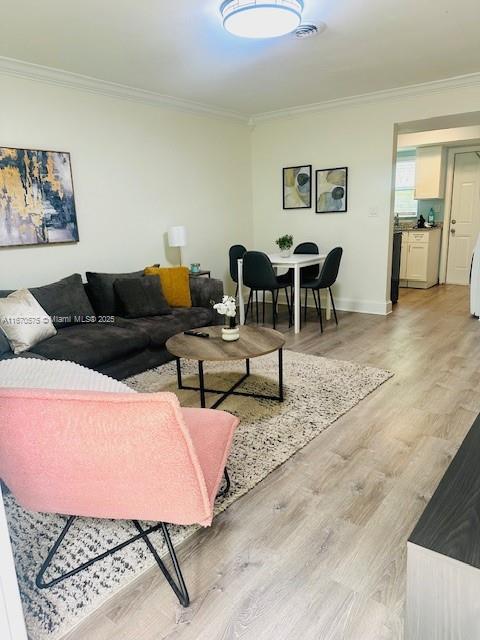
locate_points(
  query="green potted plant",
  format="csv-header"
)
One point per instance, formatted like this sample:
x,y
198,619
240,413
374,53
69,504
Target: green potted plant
x,y
285,244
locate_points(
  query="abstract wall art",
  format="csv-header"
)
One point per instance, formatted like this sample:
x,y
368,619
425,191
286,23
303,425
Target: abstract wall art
x,y
297,187
332,188
37,203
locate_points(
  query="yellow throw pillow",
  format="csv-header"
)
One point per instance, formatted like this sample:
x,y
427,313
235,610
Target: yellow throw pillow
x,y
175,284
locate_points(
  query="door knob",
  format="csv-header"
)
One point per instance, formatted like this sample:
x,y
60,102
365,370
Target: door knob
x,y
452,231
454,221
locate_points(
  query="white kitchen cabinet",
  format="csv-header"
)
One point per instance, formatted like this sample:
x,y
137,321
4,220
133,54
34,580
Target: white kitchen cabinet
x,y
430,172
419,260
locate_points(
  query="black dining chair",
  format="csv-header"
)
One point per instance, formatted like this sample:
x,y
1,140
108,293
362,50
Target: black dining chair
x,y
234,254
326,279
259,275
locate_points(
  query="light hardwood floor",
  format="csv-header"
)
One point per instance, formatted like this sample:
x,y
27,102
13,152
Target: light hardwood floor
x,y
317,550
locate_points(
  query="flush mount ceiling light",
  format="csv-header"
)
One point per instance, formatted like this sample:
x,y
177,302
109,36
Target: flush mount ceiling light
x,y
260,18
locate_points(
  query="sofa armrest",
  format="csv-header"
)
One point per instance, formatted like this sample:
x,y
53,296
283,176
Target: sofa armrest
x,y
205,291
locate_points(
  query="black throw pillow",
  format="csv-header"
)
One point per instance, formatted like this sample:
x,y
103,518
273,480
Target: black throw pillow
x,y
102,292
141,297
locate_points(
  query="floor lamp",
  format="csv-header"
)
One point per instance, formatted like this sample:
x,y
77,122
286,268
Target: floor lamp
x,y
177,237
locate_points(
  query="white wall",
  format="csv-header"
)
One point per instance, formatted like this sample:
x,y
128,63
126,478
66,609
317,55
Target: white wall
x,y
137,169
360,136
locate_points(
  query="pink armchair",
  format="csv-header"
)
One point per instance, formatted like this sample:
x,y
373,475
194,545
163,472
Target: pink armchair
x,y
114,455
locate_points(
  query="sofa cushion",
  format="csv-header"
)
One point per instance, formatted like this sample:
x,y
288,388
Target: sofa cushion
x,y
161,328
93,344
141,297
102,293
4,344
65,301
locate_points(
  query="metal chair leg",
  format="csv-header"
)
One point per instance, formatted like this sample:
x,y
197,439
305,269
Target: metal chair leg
x,y
236,291
178,587
333,306
319,308
248,305
226,489
305,310
256,301
263,307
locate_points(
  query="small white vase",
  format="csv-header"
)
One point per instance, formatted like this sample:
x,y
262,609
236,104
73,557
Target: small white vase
x,y
285,253
230,335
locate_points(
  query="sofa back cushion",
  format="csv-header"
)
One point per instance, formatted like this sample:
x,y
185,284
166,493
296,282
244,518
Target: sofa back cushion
x,y
141,297
65,301
175,284
102,292
4,344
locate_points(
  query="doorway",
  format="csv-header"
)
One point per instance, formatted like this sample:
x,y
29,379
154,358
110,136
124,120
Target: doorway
x,y
464,220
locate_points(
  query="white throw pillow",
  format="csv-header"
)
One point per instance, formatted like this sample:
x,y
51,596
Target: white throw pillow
x,y
23,321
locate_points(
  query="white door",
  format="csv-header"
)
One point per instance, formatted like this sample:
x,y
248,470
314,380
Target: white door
x,y
465,217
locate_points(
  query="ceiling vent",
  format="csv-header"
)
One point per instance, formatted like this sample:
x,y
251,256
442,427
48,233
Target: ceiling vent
x,y
308,30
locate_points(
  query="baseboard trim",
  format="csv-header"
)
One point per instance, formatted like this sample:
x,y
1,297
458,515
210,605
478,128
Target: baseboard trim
x,y
364,306
348,304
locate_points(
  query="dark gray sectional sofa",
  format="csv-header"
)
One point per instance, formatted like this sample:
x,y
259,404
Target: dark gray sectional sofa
x,y
92,332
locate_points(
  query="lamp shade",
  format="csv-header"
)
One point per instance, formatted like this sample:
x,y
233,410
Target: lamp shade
x,y
177,237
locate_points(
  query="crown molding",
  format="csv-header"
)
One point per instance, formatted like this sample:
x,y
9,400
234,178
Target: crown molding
x,y
58,77
425,88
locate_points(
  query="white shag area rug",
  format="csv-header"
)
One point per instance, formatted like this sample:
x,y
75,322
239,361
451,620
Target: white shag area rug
x,y
317,392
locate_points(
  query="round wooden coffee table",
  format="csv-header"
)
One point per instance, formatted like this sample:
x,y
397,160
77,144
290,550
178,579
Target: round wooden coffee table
x,y
253,342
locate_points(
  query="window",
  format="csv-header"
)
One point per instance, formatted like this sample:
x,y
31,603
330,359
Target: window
x,y
405,203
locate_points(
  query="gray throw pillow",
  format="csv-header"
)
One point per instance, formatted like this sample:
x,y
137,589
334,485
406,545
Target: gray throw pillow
x,y
23,321
141,297
102,294
65,301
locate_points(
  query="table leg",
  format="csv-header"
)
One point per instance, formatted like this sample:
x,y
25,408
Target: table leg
x,y
241,302
328,306
202,384
280,375
247,363
179,374
296,310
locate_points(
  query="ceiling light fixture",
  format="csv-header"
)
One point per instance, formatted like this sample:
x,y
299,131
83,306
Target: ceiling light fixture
x,y
260,18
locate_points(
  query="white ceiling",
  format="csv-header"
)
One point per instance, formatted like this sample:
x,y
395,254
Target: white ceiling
x,y
179,48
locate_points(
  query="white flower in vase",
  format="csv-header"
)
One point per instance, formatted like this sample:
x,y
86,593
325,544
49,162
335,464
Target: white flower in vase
x,y
227,307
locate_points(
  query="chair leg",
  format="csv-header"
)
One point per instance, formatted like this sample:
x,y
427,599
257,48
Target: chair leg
x,y
263,307
178,587
256,301
236,291
226,489
248,305
305,310
333,305
316,303
319,309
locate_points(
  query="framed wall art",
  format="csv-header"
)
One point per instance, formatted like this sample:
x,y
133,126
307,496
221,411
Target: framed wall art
x,y
331,190
37,202
297,187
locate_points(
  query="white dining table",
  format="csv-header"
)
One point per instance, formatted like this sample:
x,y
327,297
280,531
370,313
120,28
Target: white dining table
x,y
296,262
